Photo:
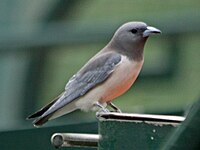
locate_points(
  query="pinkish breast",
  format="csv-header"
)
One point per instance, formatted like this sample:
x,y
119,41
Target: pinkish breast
x,y
121,80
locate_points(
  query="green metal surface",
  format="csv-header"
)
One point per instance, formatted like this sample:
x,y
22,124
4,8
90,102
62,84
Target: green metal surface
x,y
130,135
117,131
187,136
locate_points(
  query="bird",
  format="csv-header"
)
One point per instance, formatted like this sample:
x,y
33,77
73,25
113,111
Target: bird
x,y
107,75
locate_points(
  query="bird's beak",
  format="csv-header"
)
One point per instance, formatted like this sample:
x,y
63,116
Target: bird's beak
x,y
150,30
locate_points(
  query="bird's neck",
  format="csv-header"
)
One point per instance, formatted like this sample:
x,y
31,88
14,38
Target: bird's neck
x,y
132,51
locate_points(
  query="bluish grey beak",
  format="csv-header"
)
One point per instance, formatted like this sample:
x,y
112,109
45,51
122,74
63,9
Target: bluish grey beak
x,y
150,30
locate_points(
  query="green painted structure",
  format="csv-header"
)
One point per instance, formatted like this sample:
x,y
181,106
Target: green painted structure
x,y
118,131
130,135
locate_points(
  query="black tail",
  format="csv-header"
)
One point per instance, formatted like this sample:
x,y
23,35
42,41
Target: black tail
x,y
41,111
38,114
41,120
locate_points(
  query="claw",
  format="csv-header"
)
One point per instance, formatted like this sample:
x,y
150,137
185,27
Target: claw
x,y
101,110
116,109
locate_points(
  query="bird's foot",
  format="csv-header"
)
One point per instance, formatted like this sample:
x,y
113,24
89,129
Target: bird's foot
x,y
114,107
101,110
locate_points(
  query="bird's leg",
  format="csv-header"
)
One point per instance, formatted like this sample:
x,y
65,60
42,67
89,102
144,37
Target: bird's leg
x,y
102,108
116,109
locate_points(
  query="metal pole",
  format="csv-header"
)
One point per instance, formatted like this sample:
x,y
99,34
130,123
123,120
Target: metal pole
x,y
74,140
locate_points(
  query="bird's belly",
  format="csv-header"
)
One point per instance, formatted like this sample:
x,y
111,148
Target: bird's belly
x,y
117,90
121,81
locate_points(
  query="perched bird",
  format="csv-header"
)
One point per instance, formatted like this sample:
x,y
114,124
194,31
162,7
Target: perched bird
x,y
107,75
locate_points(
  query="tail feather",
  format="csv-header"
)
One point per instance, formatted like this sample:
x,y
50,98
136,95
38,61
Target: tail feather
x,y
45,113
38,114
41,111
41,120
52,115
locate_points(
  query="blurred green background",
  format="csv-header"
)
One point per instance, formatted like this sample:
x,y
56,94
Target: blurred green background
x,y
43,43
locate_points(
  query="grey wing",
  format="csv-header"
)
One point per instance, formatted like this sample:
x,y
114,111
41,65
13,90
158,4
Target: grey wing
x,y
91,75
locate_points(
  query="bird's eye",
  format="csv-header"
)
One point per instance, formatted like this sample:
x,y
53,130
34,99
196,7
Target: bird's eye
x,y
133,31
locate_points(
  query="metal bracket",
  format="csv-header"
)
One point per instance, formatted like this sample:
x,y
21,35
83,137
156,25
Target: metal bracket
x,y
91,140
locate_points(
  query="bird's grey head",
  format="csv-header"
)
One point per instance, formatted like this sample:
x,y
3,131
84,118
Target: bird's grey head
x,y
131,37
